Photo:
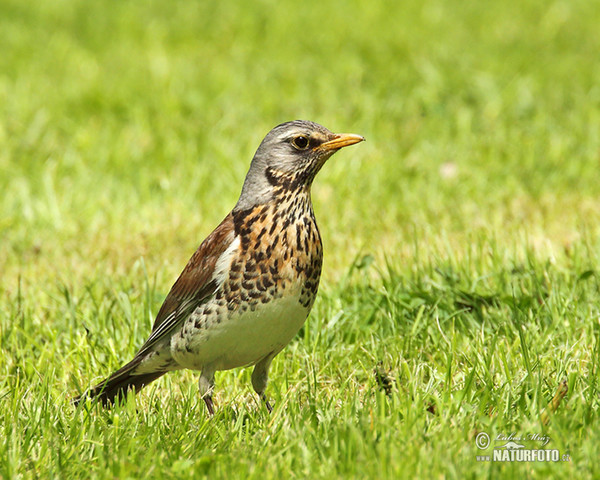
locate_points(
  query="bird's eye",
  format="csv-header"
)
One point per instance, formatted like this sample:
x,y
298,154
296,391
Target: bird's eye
x,y
300,142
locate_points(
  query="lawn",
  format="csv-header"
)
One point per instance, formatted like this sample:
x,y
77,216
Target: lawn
x,y
461,285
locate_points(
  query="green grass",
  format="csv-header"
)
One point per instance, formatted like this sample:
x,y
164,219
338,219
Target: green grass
x,y
462,240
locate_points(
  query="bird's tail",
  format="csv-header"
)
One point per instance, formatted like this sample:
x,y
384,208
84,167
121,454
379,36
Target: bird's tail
x,y
115,387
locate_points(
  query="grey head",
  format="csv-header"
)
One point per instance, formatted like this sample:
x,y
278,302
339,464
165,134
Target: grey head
x,y
288,158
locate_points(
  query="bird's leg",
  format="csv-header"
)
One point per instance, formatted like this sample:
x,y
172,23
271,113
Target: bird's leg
x,y
206,385
260,377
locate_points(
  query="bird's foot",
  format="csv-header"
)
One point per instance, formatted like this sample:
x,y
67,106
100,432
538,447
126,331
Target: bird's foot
x,y
263,397
210,406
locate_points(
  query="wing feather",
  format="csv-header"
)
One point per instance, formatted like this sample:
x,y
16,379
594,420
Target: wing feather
x,y
195,285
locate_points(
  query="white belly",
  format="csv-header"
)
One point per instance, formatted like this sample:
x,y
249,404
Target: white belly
x,y
242,339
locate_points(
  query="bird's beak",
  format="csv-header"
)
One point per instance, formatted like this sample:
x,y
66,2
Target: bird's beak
x,y
341,140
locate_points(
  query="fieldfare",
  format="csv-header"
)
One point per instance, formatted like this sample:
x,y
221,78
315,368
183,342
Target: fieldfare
x,y
249,287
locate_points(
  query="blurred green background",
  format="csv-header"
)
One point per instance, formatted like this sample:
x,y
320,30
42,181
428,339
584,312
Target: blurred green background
x,y
126,129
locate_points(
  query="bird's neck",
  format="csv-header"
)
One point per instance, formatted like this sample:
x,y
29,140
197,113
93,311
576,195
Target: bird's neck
x,y
275,188
280,201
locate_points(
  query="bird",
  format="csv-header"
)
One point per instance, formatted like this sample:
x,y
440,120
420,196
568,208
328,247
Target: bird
x,y
249,287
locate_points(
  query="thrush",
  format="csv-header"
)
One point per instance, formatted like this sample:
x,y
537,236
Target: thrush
x,y
249,287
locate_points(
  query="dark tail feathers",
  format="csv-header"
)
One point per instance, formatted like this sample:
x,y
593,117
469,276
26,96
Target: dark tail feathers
x,y
115,387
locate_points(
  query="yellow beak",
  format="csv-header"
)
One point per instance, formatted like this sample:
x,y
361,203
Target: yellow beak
x,y
341,140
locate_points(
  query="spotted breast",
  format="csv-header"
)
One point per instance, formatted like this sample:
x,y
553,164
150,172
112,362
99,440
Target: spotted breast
x,y
268,282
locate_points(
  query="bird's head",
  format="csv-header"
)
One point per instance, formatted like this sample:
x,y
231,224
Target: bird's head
x,y
289,157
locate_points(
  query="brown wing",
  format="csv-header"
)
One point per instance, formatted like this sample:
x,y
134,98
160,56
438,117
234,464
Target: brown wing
x,y
194,285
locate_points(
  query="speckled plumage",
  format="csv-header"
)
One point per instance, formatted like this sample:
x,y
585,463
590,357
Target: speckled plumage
x,y
249,287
